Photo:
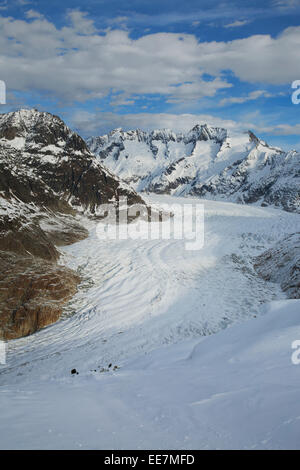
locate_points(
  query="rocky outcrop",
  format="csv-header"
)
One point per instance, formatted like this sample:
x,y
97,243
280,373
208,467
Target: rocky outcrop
x,y
205,162
32,293
281,264
48,180
43,162
33,288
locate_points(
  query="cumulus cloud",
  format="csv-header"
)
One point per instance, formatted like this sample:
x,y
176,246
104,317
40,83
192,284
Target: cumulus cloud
x,y
77,62
80,22
258,58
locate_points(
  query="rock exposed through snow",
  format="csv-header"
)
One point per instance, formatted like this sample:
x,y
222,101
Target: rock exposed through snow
x,y
206,162
48,177
281,264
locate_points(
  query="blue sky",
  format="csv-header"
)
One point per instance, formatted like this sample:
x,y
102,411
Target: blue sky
x,y
150,64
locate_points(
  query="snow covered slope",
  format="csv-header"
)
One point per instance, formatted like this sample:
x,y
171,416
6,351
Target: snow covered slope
x,y
237,389
151,308
206,161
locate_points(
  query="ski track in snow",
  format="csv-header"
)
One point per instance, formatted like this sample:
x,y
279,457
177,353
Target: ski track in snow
x,y
138,295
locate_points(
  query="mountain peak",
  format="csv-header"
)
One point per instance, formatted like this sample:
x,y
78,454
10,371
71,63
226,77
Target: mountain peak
x,y
27,116
31,129
253,137
206,132
206,161
51,157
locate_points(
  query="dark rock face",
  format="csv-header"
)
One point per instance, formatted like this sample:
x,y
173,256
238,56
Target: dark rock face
x,y
39,129
47,177
281,264
43,161
32,293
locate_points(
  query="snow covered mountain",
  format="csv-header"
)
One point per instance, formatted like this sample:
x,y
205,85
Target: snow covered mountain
x,y
206,161
38,148
46,169
48,177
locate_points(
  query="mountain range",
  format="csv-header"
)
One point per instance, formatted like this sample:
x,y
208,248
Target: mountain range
x,y
208,162
51,180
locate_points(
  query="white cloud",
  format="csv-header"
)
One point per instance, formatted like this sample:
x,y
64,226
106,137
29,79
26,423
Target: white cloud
x,y
253,95
80,23
236,24
120,21
33,14
286,4
258,58
194,91
282,129
121,100
98,123
77,62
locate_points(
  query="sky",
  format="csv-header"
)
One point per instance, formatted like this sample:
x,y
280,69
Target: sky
x,y
155,64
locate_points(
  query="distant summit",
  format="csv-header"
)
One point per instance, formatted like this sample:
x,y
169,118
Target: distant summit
x,y
206,161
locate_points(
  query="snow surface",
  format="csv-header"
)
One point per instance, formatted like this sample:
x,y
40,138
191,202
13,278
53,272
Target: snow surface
x,y
142,158
17,143
150,307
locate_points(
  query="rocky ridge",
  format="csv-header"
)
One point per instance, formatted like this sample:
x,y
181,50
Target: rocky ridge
x,y
205,162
